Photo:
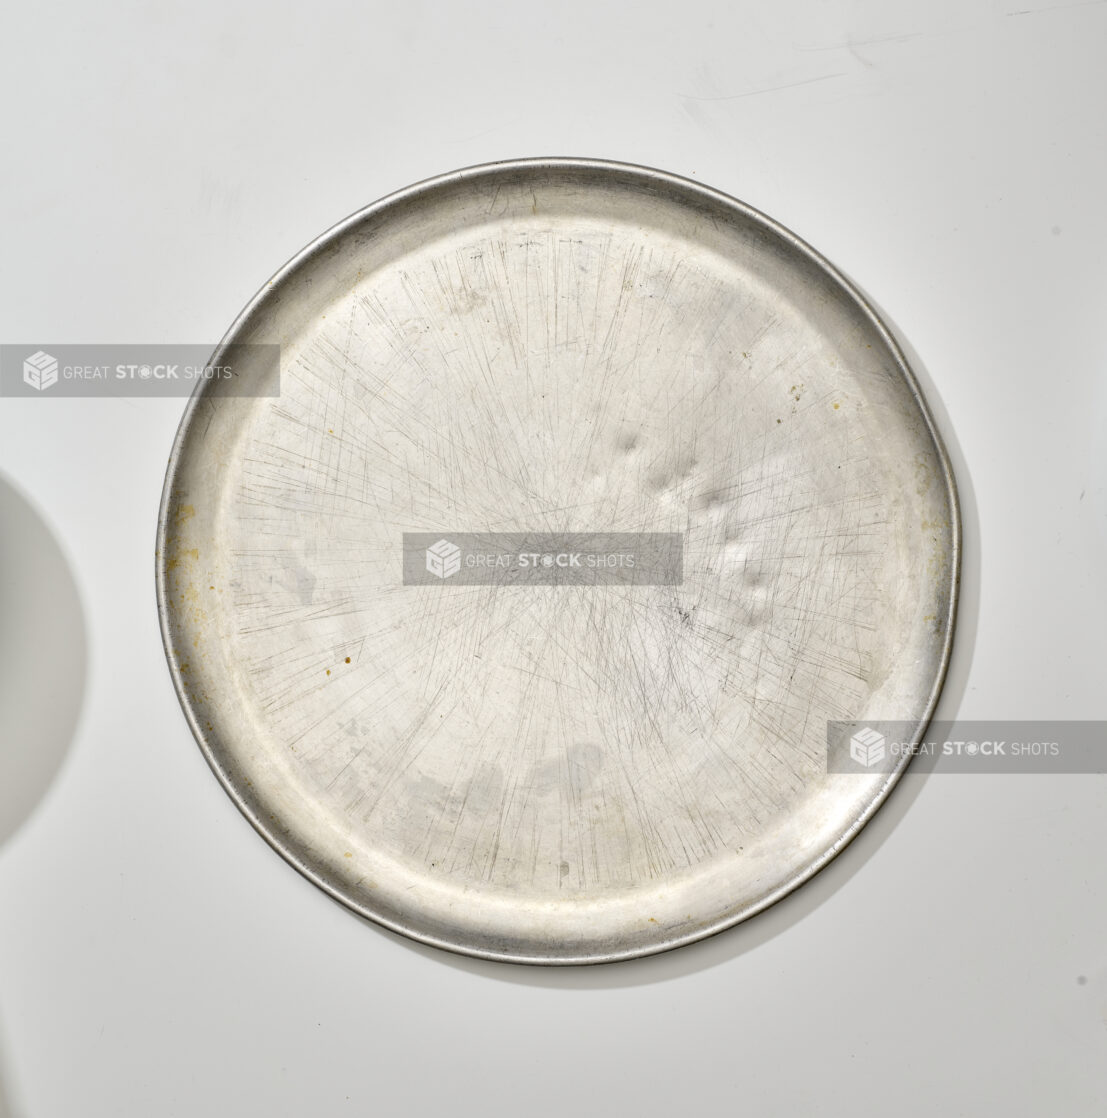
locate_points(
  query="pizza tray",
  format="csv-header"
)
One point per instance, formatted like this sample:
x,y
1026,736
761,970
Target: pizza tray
x,y
556,771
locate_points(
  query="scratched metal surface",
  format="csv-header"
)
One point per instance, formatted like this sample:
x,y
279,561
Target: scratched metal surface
x,y
557,774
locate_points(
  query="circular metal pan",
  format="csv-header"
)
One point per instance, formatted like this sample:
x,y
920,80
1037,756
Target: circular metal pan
x,y
557,774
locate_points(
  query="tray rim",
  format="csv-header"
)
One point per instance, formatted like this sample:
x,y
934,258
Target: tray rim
x,y
678,184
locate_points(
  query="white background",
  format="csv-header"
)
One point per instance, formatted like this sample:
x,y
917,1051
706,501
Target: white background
x,y
161,161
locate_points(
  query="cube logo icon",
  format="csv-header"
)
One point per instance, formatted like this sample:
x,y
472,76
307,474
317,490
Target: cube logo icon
x,y
443,559
40,370
866,747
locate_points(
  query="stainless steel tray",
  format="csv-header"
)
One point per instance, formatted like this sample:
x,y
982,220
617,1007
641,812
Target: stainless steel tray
x,y
555,774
